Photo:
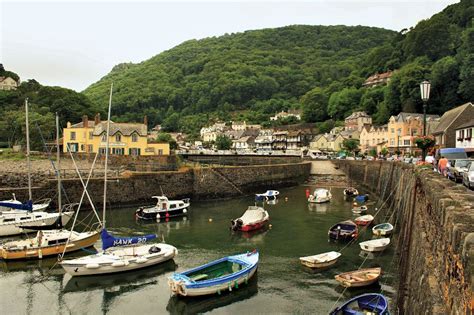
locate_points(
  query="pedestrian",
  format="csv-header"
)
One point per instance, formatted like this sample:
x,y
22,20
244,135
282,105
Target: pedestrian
x,y
442,165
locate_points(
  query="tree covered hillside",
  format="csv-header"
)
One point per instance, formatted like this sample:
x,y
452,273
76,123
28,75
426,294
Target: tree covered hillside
x,y
264,70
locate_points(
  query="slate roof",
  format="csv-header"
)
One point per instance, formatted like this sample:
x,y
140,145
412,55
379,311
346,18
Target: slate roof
x,y
470,123
449,117
125,129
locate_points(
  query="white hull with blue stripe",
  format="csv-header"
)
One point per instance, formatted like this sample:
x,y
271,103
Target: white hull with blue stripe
x,y
205,279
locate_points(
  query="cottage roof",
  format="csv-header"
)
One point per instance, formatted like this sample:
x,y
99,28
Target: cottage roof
x,y
356,115
470,123
90,124
449,117
402,116
125,129
378,77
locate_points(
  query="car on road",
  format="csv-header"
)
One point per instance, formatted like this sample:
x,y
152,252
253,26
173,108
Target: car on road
x,y
457,168
468,176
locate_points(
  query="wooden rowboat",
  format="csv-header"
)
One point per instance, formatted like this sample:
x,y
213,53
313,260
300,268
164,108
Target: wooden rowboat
x,y
376,245
369,303
359,278
364,220
320,261
344,231
382,229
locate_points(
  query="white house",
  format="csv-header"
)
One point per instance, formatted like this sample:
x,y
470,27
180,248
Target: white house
x,y
464,135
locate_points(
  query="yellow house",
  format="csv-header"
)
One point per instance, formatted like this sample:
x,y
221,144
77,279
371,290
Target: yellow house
x,y
373,137
124,138
8,83
320,142
327,142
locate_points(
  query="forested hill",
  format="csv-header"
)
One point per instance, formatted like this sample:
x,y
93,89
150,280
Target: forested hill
x,y
264,70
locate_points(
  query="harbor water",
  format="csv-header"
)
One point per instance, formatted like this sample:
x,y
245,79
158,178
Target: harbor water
x,y
282,284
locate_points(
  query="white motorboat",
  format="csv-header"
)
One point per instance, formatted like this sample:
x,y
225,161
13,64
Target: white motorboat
x,y
268,195
376,245
320,195
15,222
163,209
321,260
253,218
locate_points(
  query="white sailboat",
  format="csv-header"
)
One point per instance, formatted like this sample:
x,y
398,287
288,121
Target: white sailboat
x,y
21,215
118,254
53,239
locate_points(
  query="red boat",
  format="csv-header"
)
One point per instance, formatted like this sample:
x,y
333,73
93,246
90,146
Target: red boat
x,y
253,218
364,220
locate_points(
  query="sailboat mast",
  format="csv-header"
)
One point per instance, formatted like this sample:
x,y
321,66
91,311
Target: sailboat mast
x,y
106,157
28,149
58,162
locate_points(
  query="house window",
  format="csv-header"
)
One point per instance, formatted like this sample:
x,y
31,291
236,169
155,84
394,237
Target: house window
x,y
134,137
73,135
104,137
90,148
118,151
468,134
72,147
415,132
392,130
134,151
91,135
118,137
406,142
83,147
102,151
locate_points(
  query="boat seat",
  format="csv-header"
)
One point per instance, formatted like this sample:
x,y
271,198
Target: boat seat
x,y
199,277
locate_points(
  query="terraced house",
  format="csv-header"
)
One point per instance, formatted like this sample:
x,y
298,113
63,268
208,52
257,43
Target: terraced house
x,y
124,138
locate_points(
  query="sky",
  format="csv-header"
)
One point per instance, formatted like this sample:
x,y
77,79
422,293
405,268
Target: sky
x,y
75,43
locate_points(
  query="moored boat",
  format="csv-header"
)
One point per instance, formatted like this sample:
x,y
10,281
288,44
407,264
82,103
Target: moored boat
x,y
12,204
362,198
163,209
382,229
15,222
344,231
364,220
320,195
217,276
359,209
350,192
359,278
268,195
369,303
376,245
253,218
321,260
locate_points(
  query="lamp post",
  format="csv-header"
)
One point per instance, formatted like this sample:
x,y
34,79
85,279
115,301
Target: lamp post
x,y
425,95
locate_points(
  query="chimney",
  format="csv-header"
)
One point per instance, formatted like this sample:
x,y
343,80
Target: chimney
x,y
97,119
85,121
145,120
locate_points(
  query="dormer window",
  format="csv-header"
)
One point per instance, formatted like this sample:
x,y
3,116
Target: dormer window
x,y
104,137
134,137
118,137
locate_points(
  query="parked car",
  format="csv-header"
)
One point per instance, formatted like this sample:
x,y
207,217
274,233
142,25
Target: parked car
x,y
457,168
468,176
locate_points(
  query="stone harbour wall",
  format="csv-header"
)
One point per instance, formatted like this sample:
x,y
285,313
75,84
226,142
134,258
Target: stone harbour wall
x,y
197,183
434,221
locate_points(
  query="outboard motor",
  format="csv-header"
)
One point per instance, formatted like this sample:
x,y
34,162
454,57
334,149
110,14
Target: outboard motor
x,y
236,224
154,249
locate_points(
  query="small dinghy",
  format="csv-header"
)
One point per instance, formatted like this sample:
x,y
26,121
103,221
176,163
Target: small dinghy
x,y
362,198
215,277
364,220
320,195
268,195
382,229
253,218
369,303
350,192
320,261
376,245
359,278
344,231
359,209
163,209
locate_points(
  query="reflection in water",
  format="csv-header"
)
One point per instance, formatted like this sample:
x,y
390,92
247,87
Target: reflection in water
x,y
256,236
193,305
272,202
163,228
116,285
318,207
367,255
351,292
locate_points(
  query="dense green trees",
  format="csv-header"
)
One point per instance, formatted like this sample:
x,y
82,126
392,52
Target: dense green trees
x,y
223,142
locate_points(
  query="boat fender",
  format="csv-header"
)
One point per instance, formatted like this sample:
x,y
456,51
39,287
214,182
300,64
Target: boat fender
x,y
141,260
157,216
182,289
230,286
92,266
185,210
40,254
118,264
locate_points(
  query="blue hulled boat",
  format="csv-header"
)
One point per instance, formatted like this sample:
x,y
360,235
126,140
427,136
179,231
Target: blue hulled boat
x,y
360,305
215,277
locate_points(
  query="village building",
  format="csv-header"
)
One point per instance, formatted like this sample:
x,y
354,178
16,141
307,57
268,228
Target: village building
x,y
283,115
294,140
279,140
378,79
244,143
373,138
356,121
404,128
124,138
464,136
445,132
8,83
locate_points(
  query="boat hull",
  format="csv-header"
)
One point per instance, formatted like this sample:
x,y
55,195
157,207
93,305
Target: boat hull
x,y
253,227
159,215
317,265
378,245
132,264
54,250
216,288
356,280
13,228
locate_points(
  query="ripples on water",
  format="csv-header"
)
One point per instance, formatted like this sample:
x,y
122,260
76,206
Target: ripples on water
x,y
282,284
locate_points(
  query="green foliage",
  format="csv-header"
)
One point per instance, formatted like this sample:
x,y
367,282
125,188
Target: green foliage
x,y
166,138
342,103
350,145
373,152
326,126
315,104
384,151
223,142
